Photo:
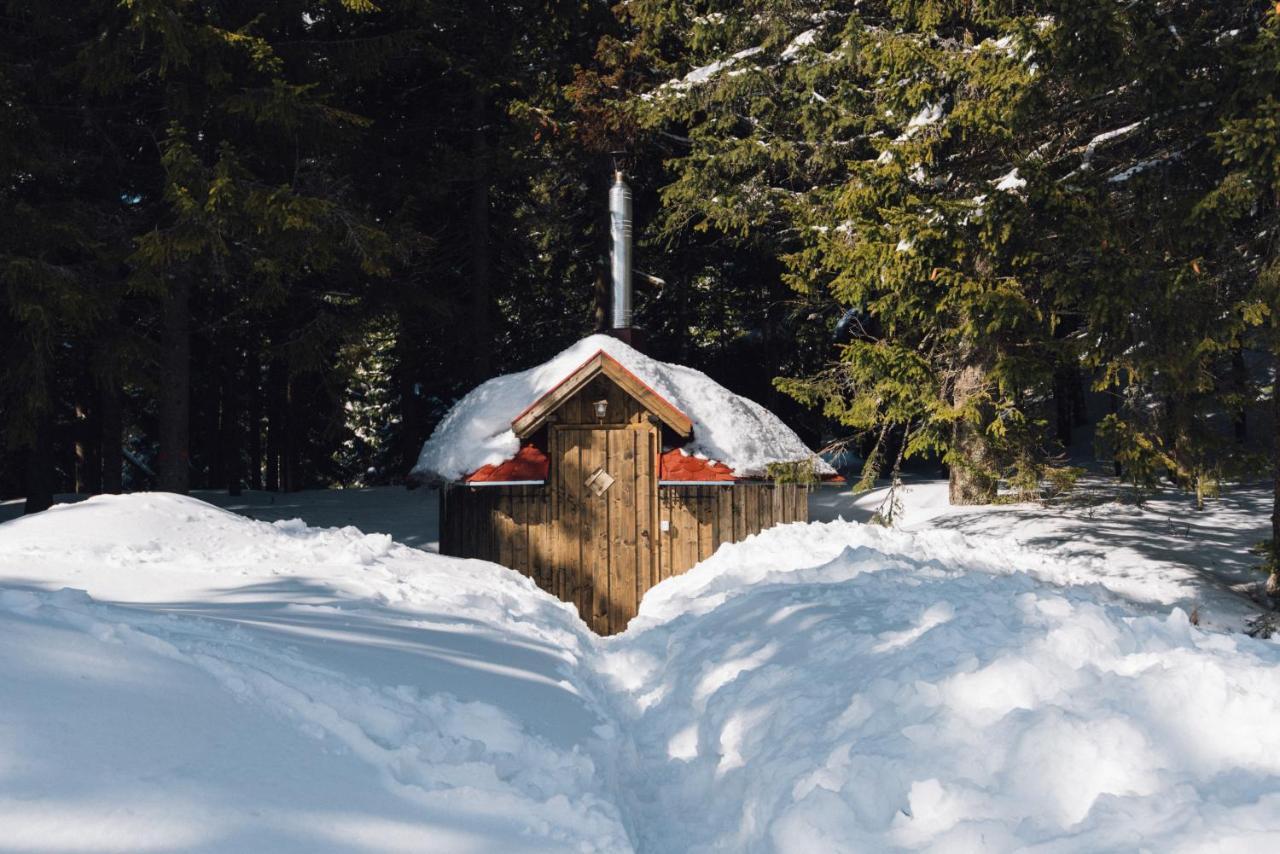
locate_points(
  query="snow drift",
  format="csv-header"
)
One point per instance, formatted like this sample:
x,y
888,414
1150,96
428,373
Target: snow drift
x,y
727,427
890,692
232,685
219,684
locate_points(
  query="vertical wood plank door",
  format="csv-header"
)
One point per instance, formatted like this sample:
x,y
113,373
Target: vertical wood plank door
x,y
605,542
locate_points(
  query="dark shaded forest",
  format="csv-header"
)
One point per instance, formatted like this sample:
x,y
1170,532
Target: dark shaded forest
x,y
266,246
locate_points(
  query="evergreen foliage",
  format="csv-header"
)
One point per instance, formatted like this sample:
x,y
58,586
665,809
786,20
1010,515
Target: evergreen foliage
x,y
268,245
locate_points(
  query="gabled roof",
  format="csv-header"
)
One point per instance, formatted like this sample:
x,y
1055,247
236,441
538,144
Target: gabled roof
x,y
599,363
725,426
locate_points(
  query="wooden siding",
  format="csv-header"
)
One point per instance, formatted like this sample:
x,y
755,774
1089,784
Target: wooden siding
x,y
593,552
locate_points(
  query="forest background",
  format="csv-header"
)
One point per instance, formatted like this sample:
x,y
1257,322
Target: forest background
x,y
266,246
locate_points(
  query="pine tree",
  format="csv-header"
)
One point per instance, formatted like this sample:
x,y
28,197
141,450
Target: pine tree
x,y
246,202
59,246
874,148
1246,208
967,182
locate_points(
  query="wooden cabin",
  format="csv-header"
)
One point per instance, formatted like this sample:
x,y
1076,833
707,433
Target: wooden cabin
x,y
602,500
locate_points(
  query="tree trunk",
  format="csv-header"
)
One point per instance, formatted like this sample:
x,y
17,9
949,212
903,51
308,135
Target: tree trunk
x,y
289,479
111,423
253,443
173,464
276,393
971,479
229,426
209,416
481,331
1064,404
38,474
601,292
88,469
1274,582
1113,406
1240,387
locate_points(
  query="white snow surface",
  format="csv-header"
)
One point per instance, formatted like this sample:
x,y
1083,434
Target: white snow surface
x,y
798,44
929,114
727,427
176,677
1010,181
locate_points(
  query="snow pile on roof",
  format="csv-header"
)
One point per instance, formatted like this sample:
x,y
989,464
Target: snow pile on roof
x,y
727,427
224,684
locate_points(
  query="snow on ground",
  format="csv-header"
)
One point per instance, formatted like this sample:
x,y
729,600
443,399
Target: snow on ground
x,y
176,677
887,692
228,684
1161,551
408,516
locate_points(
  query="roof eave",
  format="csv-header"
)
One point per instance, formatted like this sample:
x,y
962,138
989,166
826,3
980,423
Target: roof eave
x,y
536,414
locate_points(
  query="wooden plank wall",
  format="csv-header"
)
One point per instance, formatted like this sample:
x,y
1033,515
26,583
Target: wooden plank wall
x,y
515,526
699,519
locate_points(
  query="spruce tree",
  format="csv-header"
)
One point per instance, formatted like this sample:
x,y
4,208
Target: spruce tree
x,y
1246,207
992,195
245,201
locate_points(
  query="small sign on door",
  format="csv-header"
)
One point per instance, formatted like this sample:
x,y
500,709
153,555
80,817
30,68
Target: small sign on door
x,y
598,481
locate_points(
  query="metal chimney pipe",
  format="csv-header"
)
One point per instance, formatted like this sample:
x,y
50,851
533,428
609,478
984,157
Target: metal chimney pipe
x,y
620,253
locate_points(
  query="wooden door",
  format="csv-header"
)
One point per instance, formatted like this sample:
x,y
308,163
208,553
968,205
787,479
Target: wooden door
x,y
604,483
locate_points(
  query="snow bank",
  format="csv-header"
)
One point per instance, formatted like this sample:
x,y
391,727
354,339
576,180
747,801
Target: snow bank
x,y
274,687
785,698
1163,551
727,427
220,684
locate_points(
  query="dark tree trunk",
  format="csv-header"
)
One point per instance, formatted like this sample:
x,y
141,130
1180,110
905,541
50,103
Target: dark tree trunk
x,y
88,468
1063,403
1113,406
209,449
971,479
1240,387
173,464
253,443
38,475
111,422
229,426
276,398
600,320
1079,402
289,450
1274,582
599,183
481,248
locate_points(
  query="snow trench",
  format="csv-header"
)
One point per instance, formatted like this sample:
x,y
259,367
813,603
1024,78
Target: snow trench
x,y
823,687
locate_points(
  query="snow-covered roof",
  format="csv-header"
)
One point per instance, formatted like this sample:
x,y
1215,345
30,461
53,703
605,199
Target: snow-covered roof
x,y
727,427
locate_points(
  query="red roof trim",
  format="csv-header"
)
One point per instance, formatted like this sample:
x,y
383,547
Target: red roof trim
x,y
677,465
529,463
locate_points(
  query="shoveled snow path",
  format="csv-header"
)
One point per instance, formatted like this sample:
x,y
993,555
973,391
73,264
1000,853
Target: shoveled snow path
x,y
818,687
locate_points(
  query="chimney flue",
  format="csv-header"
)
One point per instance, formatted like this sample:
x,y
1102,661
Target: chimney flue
x,y
620,253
